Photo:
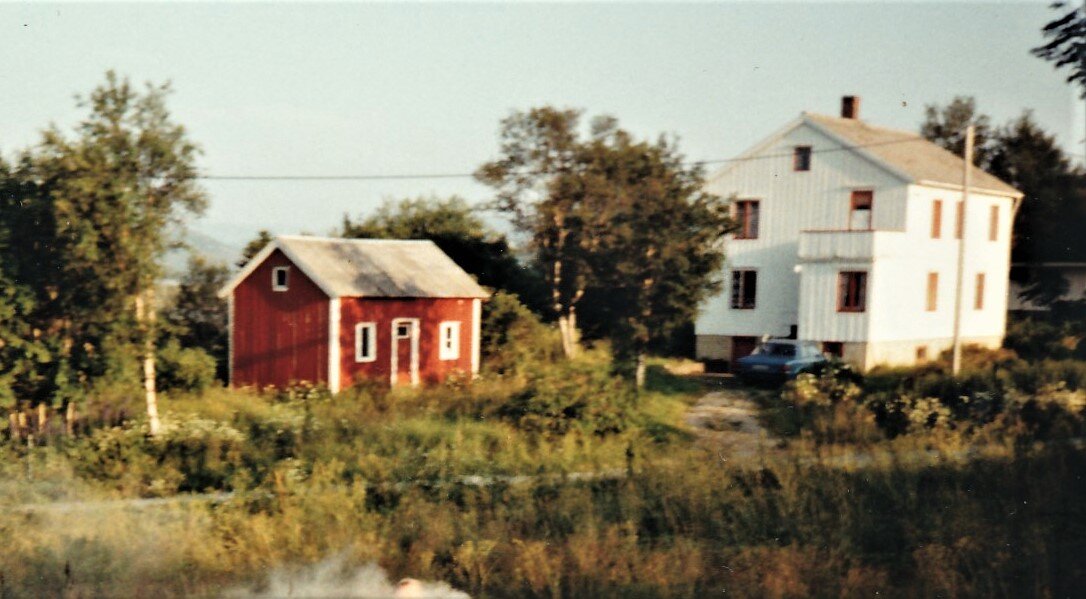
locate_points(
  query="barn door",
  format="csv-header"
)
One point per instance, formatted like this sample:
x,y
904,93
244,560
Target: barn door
x,y
405,351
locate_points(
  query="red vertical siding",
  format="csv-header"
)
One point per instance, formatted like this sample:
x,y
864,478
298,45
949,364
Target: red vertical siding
x,y
279,336
431,312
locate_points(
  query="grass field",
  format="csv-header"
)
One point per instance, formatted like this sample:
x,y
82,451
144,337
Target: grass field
x,y
481,486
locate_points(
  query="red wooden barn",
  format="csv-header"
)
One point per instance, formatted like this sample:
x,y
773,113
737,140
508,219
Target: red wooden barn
x,y
335,310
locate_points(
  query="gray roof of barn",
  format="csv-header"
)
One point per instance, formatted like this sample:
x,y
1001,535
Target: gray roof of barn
x,y
909,154
371,267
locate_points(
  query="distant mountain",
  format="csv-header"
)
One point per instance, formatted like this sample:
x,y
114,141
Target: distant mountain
x,y
200,244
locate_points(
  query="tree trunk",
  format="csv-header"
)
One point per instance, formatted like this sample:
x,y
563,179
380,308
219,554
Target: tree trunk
x,y
145,314
567,326
639,373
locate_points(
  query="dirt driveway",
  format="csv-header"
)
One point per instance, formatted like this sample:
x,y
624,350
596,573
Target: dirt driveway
x,y
726,422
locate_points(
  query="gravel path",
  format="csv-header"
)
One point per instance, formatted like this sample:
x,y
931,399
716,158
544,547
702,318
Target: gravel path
x,y
726,421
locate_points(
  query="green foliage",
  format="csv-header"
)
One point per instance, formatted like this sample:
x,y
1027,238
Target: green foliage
x,y
622,221
184,368
576,396
513,337
197,317
1066,47
457,229
87,213
263,238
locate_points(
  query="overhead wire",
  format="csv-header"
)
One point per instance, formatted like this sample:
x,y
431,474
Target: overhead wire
x,y
399,177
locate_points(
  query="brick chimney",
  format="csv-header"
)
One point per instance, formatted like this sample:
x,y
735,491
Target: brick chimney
x,y
850,107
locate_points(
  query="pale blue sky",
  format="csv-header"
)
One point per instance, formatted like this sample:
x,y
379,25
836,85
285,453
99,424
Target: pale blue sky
x,y
305,89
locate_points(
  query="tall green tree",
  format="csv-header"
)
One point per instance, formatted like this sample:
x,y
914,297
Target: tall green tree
x,y
112,188
538,184
459,231
620,221
946,125
197,318
661,255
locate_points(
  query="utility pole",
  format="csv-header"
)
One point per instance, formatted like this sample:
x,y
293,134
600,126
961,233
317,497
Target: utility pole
x,y
956,363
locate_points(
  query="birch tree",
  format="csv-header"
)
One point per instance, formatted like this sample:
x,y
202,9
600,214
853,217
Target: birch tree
x,y
113,186
537,184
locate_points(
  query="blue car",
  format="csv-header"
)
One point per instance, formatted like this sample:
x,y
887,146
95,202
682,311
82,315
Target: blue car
x,y
779,360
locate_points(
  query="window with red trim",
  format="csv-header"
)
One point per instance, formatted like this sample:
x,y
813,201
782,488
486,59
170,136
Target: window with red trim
x,y
852,291
747,215
744,289
860,205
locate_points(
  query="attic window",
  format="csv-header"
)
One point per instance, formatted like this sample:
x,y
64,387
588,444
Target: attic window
x,y
801,158
280,278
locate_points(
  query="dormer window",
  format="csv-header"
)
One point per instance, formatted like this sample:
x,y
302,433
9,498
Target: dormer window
x,y
801,158
280,278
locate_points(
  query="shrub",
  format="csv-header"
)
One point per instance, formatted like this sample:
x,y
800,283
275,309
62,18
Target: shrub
x,y
575,395
513,336
184,368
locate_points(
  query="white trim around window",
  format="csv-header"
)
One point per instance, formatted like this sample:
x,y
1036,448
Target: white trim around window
x,y
365,342
280,284
449,340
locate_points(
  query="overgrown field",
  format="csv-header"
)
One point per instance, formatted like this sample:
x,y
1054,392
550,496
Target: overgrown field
x,y
556,481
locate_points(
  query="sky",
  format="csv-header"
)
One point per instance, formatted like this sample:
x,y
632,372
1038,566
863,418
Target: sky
x,y
407,89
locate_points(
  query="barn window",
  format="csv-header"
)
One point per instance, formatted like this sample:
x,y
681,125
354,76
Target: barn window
x,y
746,213
280,278
993,224
449,341
978,296
744,289
801,158
852,291
365,342
860,204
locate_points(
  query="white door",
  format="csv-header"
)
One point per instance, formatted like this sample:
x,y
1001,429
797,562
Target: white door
x,y
404,353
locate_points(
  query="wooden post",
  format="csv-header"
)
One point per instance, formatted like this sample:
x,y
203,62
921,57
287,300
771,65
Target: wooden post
x,y
69,418
43,416
956,360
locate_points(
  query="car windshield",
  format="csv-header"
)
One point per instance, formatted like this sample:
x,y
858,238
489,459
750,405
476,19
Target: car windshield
x,y
786,350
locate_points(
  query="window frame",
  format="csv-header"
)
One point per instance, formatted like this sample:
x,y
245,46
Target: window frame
x,y
854,205
371,354
801,156
743,211
937,219
275,278
448,340
736,298
931,301
846,288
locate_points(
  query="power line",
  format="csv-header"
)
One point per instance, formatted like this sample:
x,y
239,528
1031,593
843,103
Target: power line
x,y
401,177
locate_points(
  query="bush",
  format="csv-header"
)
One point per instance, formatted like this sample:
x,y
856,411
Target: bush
x,y
513,336
184,368
579,395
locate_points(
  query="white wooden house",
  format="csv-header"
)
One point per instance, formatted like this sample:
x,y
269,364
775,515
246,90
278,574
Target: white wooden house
x,y
849,237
